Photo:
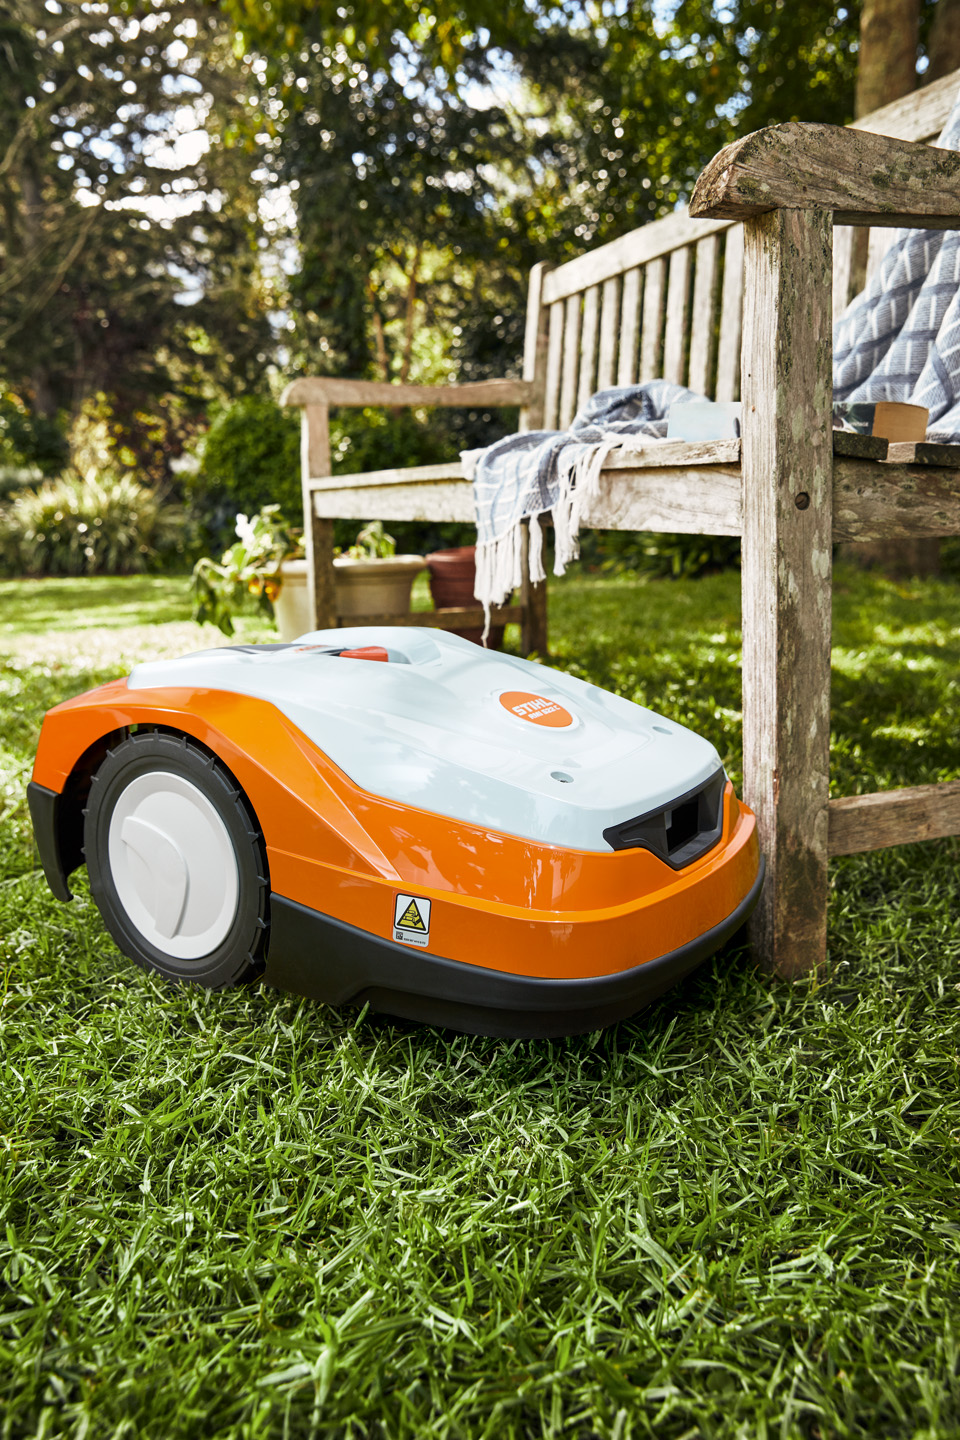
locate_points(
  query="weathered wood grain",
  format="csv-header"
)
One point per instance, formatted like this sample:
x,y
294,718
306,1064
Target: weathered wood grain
x,y
859,176
427,474
878,500
843,239
535,348
894,817
588,344
551,391
703,315
921,115
731,317
320,390
458,618
638,247
878,243
678,302
787,562
924,452
659,454
571,360
862,447
533,604
448,501
609,327
317,532
702,500
651,343
629,328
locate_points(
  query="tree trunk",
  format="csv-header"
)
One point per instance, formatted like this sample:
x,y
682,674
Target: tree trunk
x,y
887,65
410,317
379,335
944,43
887,70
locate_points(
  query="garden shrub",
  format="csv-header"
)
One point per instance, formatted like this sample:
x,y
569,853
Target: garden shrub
x,y
250,457
86,525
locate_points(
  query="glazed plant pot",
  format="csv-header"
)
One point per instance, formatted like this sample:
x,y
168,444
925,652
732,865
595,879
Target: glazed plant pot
x,y
291,608
375,587
453,574
363,587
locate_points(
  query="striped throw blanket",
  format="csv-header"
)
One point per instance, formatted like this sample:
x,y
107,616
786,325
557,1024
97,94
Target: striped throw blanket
x,y
898,340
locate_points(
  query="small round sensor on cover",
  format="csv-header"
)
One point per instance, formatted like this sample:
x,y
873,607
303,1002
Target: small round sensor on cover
x,y
562,776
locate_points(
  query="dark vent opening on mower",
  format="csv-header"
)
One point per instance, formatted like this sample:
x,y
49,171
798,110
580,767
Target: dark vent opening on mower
x,y
683,824
680,832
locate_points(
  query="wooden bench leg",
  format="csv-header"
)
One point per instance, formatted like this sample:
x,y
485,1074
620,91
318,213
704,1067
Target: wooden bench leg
x,y
317,533
787,532
533,598
321,575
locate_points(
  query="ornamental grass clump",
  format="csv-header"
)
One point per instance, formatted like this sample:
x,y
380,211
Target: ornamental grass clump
x,y
90,524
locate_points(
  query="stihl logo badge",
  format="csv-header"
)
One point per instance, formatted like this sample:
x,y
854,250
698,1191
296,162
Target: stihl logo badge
x,y
411,920
536,708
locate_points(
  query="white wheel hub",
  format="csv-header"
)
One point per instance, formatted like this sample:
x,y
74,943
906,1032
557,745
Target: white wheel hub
x,y
173,865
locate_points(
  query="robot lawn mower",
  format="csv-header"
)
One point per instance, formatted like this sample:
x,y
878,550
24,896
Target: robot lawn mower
x,y
396,816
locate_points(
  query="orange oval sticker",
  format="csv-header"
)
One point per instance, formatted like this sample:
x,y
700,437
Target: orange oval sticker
x,y
535,708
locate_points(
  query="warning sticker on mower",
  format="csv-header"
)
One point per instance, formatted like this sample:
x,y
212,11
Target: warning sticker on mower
x,y
411,920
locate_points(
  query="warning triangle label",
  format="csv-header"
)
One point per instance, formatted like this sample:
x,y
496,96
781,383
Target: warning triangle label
x,y
411,919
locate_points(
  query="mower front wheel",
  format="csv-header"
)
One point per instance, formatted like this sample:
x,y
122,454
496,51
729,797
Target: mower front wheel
x,y
177,862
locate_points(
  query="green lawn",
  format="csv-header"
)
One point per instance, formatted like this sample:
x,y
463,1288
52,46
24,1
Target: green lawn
x,y
737,1215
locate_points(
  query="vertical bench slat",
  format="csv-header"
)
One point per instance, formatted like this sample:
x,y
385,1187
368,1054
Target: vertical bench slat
x,y
881,238
731,318
842,261
571,361
588,344
629,328
678,301
609,317
535,347
703,325
551,400
651,349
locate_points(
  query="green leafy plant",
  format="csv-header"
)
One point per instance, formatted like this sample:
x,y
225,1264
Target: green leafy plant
x,y
372,543
90,524
251,566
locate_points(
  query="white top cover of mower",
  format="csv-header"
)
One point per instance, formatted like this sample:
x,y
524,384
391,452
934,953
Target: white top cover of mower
x,y
461,731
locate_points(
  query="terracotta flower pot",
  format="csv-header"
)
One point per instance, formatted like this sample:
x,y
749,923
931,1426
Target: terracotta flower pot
x,y
363,587
453,574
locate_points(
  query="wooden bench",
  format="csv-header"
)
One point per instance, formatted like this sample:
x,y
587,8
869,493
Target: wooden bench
x,y
749,282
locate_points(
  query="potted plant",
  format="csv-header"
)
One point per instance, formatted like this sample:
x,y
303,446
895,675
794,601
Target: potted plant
x,y
266,560
370,579
453,575
252,565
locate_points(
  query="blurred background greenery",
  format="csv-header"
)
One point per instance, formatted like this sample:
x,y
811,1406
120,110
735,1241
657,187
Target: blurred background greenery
x,y
199,201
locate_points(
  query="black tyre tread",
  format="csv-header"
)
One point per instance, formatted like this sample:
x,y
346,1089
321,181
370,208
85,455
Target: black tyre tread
x,y
164,743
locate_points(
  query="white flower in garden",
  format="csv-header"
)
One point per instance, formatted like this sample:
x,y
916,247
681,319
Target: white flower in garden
x,y
245,532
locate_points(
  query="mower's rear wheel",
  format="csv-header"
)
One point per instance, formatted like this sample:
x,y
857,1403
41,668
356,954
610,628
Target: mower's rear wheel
x,y
177,862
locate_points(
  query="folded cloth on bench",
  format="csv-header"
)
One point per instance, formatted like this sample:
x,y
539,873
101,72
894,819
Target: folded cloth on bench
x,y
524,476
898,340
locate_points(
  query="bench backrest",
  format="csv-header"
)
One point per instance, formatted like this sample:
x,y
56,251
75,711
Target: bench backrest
x,y
666,299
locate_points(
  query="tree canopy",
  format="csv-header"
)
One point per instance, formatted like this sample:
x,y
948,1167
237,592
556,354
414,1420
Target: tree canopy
x,y
194,194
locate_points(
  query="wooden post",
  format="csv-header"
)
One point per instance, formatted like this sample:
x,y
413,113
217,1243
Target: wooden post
x,y
787,529
317,533
535,347
533,598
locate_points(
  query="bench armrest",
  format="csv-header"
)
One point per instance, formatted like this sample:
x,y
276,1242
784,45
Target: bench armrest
x,y
320,390
865,179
